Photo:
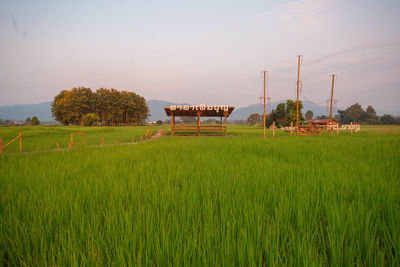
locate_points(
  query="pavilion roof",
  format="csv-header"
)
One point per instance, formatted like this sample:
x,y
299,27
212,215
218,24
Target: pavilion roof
x,y
206,111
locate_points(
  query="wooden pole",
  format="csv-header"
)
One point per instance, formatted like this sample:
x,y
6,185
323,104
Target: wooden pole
x,y
225,125
330,113
273,128
102,141
264,101
57,146
72,139
298,85
172,124
1,146
291,127
198,123
20,142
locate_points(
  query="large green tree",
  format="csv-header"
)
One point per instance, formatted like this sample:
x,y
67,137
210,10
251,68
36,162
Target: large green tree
x,y
285,113
110,106
356,112
254,118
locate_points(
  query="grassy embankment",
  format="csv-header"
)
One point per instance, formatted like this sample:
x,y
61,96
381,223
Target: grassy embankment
x,y
321,200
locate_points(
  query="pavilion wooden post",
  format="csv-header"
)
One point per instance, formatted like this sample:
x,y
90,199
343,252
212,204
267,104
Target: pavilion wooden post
x,y
220,125
198,123
225,115
172,124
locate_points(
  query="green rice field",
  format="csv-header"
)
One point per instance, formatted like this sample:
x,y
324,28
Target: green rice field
x,y
242,200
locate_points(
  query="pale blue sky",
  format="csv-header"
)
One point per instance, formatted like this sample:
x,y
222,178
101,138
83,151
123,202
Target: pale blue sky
x,y
209,52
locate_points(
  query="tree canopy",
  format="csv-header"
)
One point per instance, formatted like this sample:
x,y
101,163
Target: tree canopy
x,y
254,118
110,105
35,120
355,113
285,113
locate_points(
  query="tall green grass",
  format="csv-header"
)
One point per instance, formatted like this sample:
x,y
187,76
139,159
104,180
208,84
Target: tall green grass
x,y
42,138
303,201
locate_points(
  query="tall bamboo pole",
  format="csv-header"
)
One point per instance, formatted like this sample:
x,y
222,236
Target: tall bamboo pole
x,y
333,82
298,85
264,101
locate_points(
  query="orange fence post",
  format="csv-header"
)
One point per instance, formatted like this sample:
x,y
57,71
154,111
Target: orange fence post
x,y
72,138
141,138
57,146
102,140
117,141
1,146
20,142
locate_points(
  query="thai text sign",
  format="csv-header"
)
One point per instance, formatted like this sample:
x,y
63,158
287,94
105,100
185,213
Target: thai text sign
x,y
217,108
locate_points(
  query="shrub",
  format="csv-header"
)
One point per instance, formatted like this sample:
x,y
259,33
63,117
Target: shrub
x,y
90,119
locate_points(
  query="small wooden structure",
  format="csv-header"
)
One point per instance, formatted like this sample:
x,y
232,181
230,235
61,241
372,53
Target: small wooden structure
x,y
222,111
314,127
322,122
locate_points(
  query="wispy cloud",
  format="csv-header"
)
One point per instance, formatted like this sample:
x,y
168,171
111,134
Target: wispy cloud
x,y
309,15
358,48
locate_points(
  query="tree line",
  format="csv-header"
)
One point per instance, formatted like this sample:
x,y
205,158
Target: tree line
x,y
355,113
28,121
82,106
285,113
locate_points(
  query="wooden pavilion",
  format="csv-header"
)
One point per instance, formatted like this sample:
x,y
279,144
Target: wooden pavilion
x,y
221,111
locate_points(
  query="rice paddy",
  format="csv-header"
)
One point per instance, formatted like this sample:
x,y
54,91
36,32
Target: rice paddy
x,y
289,200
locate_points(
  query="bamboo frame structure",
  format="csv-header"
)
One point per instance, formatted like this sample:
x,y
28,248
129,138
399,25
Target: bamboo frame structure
x,y
199,128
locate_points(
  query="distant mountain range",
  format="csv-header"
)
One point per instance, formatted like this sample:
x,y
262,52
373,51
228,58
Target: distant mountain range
x,y
21,112
43,110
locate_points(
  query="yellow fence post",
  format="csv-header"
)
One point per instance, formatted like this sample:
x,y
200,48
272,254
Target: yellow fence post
x,y
273,129
20,142
291,127
1,146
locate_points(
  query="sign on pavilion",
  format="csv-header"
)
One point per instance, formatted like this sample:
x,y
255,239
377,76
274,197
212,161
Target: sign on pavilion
x,y
221,111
